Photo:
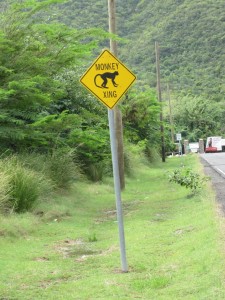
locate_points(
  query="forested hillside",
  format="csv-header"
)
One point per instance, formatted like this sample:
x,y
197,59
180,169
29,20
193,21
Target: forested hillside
x,y
191,34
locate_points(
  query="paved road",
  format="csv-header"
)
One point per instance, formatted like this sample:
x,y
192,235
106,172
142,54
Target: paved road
x,y
214,167
216,161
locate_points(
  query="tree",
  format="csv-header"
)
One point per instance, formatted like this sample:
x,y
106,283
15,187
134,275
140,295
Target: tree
x,y
33,54
197,117
141,116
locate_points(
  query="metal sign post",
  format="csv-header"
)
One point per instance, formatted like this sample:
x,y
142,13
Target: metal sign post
x,y
117,189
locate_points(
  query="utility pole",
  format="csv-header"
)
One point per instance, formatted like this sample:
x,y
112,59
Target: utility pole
x,y
160,101
117,112
170,112
113,125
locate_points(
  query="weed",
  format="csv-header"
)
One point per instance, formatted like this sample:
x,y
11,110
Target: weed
x,y
92,238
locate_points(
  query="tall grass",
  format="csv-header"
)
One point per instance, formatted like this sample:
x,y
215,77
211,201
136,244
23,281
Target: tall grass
x,y
21,187
96,172
4,192
62,169
152,153
134,157
60,166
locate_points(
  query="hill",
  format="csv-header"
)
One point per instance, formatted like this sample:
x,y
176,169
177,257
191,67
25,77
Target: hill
x,y
190,34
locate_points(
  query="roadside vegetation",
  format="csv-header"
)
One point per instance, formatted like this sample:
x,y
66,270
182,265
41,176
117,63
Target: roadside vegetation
x,y
67,247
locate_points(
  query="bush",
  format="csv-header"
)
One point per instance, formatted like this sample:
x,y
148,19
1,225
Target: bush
x,y
188,178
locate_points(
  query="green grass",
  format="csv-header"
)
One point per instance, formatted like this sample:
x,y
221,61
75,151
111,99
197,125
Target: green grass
x,y
70,249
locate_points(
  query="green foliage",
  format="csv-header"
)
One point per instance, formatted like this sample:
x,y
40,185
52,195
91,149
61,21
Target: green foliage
x,y
22,187
141,116
187,178
197,117
134,156
96,171
25,189
54,130
62,169
33,53
92,149
4,192
92,238
28,178
152,152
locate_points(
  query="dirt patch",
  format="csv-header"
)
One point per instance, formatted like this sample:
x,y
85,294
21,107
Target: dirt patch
x,y
159,217
182,231
70,247
129,207
45,284
41,258
79,250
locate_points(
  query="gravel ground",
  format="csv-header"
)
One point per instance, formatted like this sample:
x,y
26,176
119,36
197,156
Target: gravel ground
x,y
218,183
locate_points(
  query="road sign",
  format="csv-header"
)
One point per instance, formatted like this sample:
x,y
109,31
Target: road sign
x,y
178,137
108,79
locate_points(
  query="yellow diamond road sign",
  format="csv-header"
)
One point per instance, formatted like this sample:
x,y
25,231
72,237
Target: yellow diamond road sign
x,y
108,79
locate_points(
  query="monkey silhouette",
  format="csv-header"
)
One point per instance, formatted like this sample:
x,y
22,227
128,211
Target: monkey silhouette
x,y
105,77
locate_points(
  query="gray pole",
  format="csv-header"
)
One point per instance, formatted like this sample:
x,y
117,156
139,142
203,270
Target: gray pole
x,y
113,141
117,190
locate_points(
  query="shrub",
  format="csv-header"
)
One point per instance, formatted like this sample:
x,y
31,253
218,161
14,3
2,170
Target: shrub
x,y
186,177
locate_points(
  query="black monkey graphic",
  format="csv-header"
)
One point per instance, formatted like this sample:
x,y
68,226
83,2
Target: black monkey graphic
x,y
105,77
